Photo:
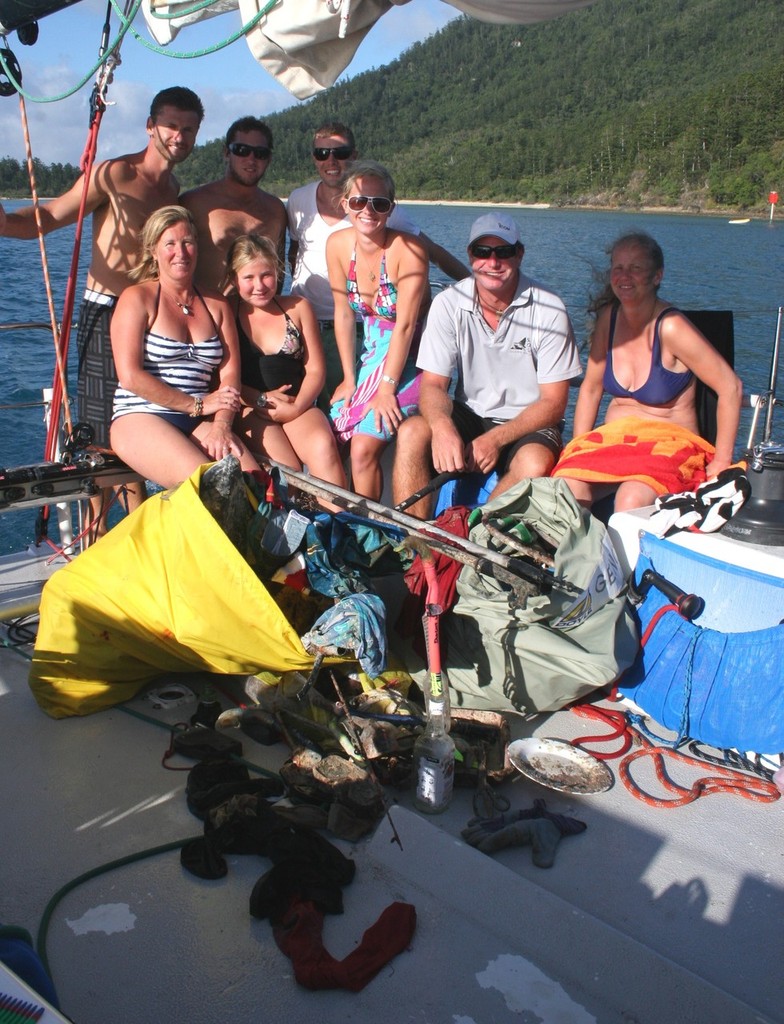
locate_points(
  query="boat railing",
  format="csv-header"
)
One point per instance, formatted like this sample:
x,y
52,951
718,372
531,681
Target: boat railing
x,y
764,403
69,480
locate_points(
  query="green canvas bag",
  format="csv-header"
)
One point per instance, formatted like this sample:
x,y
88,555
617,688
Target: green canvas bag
x,y
556,647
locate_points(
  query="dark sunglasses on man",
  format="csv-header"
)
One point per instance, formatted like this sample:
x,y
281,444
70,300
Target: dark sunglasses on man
x,y
379,203
322,153
484,252
243,149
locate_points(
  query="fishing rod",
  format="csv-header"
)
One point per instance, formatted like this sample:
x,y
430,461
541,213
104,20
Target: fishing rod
x,y
524,579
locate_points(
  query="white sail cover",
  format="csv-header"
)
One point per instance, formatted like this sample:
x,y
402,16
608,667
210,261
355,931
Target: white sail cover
x,y
306,44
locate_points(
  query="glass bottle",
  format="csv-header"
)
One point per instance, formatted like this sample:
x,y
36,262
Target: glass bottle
x,y
434,751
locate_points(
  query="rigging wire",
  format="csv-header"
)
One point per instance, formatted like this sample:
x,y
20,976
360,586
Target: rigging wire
x,y
60,380
97,108
126,19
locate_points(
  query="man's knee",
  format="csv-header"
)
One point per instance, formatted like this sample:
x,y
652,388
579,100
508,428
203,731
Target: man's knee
x,y
532,460
413,436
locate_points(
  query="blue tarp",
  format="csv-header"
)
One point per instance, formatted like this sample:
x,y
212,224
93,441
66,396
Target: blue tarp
x,y
717,679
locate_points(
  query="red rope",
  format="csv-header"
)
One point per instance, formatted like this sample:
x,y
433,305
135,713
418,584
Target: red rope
x,y
726,780
618,723
86,163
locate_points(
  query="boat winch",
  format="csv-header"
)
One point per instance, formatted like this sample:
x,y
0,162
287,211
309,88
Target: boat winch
x,y
761,519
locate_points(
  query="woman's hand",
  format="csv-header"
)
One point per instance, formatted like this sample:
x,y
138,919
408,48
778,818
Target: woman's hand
x,y
224,398
219,441
386,411
712,469
343,392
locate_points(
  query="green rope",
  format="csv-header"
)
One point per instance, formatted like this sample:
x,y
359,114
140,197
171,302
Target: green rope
x,y
18,648
126,23
98,64
190,54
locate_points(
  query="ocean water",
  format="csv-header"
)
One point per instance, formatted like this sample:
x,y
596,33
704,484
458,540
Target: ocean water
x,y
710,264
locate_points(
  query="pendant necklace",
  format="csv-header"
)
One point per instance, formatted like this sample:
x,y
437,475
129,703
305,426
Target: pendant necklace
x,y
484,305
492,309
186,307
369,268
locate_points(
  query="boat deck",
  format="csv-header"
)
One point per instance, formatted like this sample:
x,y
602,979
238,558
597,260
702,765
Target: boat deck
x,y
650,915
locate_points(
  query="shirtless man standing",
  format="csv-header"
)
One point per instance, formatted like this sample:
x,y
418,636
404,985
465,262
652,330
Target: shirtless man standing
x,y
121,195
234,205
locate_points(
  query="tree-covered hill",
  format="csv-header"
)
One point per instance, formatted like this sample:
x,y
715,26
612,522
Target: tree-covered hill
x,y
656,102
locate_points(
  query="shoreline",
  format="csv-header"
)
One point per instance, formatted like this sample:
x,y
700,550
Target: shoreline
x,y
734,216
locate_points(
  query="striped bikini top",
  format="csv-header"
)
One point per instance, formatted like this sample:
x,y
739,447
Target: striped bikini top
x,y
180,364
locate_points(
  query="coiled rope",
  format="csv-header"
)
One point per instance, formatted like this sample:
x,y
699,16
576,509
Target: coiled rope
x,y
630,730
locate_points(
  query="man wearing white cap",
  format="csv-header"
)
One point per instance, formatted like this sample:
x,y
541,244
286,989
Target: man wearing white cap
x,y
510,343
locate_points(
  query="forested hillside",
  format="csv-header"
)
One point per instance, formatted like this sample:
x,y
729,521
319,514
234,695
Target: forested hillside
x,y
672,102
628,102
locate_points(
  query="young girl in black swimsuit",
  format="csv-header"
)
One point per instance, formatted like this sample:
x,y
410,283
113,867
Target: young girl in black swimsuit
x,y
283,367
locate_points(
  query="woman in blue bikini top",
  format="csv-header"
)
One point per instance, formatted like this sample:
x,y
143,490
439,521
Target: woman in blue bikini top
x,y
648,356
662,385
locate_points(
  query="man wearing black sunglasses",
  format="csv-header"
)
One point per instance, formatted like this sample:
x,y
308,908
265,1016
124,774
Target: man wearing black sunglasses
x,y
510,344
234,204
315,212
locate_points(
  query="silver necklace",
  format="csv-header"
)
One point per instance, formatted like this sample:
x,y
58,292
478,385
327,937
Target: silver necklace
x,y
186,307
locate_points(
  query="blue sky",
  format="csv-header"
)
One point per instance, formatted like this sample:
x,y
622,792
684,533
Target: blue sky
x,y
230,83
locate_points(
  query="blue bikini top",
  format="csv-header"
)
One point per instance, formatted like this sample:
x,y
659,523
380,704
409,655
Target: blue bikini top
x,y
662,385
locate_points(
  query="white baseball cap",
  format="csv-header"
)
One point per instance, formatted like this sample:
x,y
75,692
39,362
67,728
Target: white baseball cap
x,y
499,224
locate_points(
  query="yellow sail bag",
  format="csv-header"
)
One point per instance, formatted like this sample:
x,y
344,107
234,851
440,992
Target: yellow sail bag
x,y
164,591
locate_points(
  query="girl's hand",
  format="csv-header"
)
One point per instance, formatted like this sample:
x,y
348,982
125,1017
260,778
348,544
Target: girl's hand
x,y
275,406
281,407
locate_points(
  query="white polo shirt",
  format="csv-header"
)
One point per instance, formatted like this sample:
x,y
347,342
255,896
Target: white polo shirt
x,y
499,372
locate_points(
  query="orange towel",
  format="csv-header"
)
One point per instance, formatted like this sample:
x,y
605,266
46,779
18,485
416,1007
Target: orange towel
x,y
665,456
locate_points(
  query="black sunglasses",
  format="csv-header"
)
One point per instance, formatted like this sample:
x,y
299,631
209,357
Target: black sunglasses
x,y
379,203
501,252
322,153
243,149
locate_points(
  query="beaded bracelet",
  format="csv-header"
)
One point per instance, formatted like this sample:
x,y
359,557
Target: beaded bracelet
x,y
198,407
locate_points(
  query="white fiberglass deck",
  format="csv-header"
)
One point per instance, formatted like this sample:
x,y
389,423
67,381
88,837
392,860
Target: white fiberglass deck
x,y
649,916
